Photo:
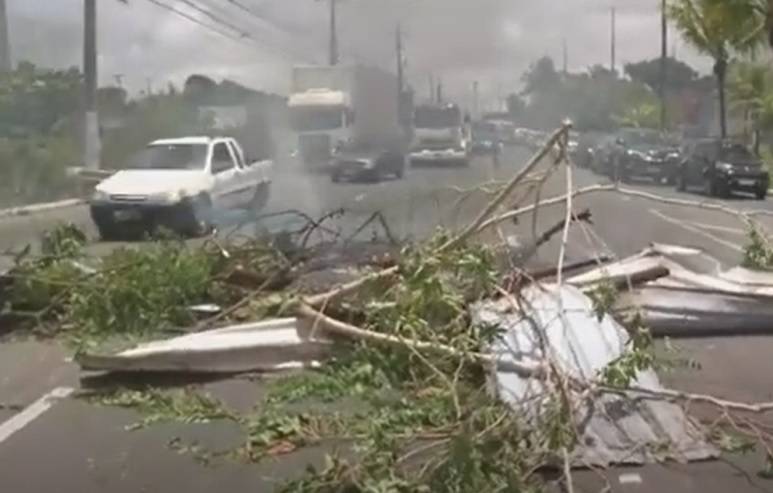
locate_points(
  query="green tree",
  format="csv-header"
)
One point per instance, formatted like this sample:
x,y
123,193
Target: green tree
x,y
680,75
644,115
718,28
541,77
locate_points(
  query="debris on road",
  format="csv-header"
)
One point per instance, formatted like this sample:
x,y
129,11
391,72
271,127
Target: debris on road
x,y
416,334
273,345
559,321
693,296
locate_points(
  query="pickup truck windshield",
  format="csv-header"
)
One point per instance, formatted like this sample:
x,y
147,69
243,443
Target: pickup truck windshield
x,y
177,156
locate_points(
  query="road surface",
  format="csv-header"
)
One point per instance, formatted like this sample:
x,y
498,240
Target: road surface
x,y
72,446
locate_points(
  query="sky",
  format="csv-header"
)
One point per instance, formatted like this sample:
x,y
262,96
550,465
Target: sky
x,y
458,41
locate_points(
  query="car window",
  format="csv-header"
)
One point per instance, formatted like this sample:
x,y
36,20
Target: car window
x,y
237,155
221,158
736,152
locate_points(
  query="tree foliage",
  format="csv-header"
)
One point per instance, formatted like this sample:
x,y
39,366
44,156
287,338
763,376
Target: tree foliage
x,y
592,100
679,74
719,29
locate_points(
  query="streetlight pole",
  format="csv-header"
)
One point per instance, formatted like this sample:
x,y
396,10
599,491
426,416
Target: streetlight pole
x,y
91,147
333,55
5,46
663,64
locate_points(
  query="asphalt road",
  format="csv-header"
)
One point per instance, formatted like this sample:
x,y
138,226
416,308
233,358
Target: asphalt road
x,y
77,447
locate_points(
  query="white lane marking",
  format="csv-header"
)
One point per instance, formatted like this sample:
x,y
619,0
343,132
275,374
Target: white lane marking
x,y
724,229
698,231
631,478
37,208
32,412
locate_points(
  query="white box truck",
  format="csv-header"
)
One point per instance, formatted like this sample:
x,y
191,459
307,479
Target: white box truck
x,y
339,112
440,135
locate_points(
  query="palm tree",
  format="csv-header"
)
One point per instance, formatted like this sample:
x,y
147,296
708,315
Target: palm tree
x,y
718,28
749,88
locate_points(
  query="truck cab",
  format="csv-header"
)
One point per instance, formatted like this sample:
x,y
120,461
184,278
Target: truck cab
x,y
321,118
440,135
181,184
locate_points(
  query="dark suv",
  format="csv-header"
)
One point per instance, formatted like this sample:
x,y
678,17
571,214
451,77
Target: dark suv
x,y
644,153
721,167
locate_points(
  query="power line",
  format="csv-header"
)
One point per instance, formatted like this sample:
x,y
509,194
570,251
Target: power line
x,y
215,18
191,18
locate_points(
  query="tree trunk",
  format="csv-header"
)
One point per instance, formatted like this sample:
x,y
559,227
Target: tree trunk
x,y
720,71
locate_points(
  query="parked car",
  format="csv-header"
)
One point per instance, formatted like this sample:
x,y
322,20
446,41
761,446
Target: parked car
x,y
180,184
637,153
586,146
721,167
367,164
603,153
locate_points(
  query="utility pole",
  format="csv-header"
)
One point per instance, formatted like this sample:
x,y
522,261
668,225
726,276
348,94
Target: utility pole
x,y
476,100
663,64
566,56
91,147
401,106
613,44
5,48
399,49
439,93
333,60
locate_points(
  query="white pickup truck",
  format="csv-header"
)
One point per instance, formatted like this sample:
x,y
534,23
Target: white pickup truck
x,y
182,184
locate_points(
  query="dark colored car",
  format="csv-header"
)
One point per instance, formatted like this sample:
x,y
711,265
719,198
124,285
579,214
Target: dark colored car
x,y
721,167
486,139
366,164
582,153
602,155
642,153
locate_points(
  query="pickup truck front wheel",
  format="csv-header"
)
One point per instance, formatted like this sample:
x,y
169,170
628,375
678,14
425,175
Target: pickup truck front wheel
x,y
200,216
261,196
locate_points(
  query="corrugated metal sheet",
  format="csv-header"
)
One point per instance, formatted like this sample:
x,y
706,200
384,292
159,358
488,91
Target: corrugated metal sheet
x,y
615,430
696,297
271,345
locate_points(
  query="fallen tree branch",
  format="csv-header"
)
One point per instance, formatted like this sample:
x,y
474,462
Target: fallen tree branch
x,y
502,196
675,395
746,216
338,328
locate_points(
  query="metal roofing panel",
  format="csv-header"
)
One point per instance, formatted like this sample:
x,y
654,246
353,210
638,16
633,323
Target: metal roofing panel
x,y
614,429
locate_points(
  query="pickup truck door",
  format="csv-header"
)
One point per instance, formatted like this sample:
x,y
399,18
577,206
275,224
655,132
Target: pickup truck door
x,y
247,178
226,183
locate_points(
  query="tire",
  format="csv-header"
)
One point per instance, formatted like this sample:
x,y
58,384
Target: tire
x,y
108,231
681,182
261,197
761,194
400,172
709,187
200,216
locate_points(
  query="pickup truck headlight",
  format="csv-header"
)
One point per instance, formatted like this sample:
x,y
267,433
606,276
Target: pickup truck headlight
x,y
100,196
168,197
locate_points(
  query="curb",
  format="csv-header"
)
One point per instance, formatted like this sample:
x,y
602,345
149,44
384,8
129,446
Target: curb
x,y
37,208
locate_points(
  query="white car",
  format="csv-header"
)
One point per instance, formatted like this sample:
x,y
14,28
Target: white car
x,y
181,184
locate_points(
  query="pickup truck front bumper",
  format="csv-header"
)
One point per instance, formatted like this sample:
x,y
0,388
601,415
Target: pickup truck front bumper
x,y
127,216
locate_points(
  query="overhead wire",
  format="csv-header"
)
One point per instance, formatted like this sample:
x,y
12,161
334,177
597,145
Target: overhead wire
x,y
193,19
